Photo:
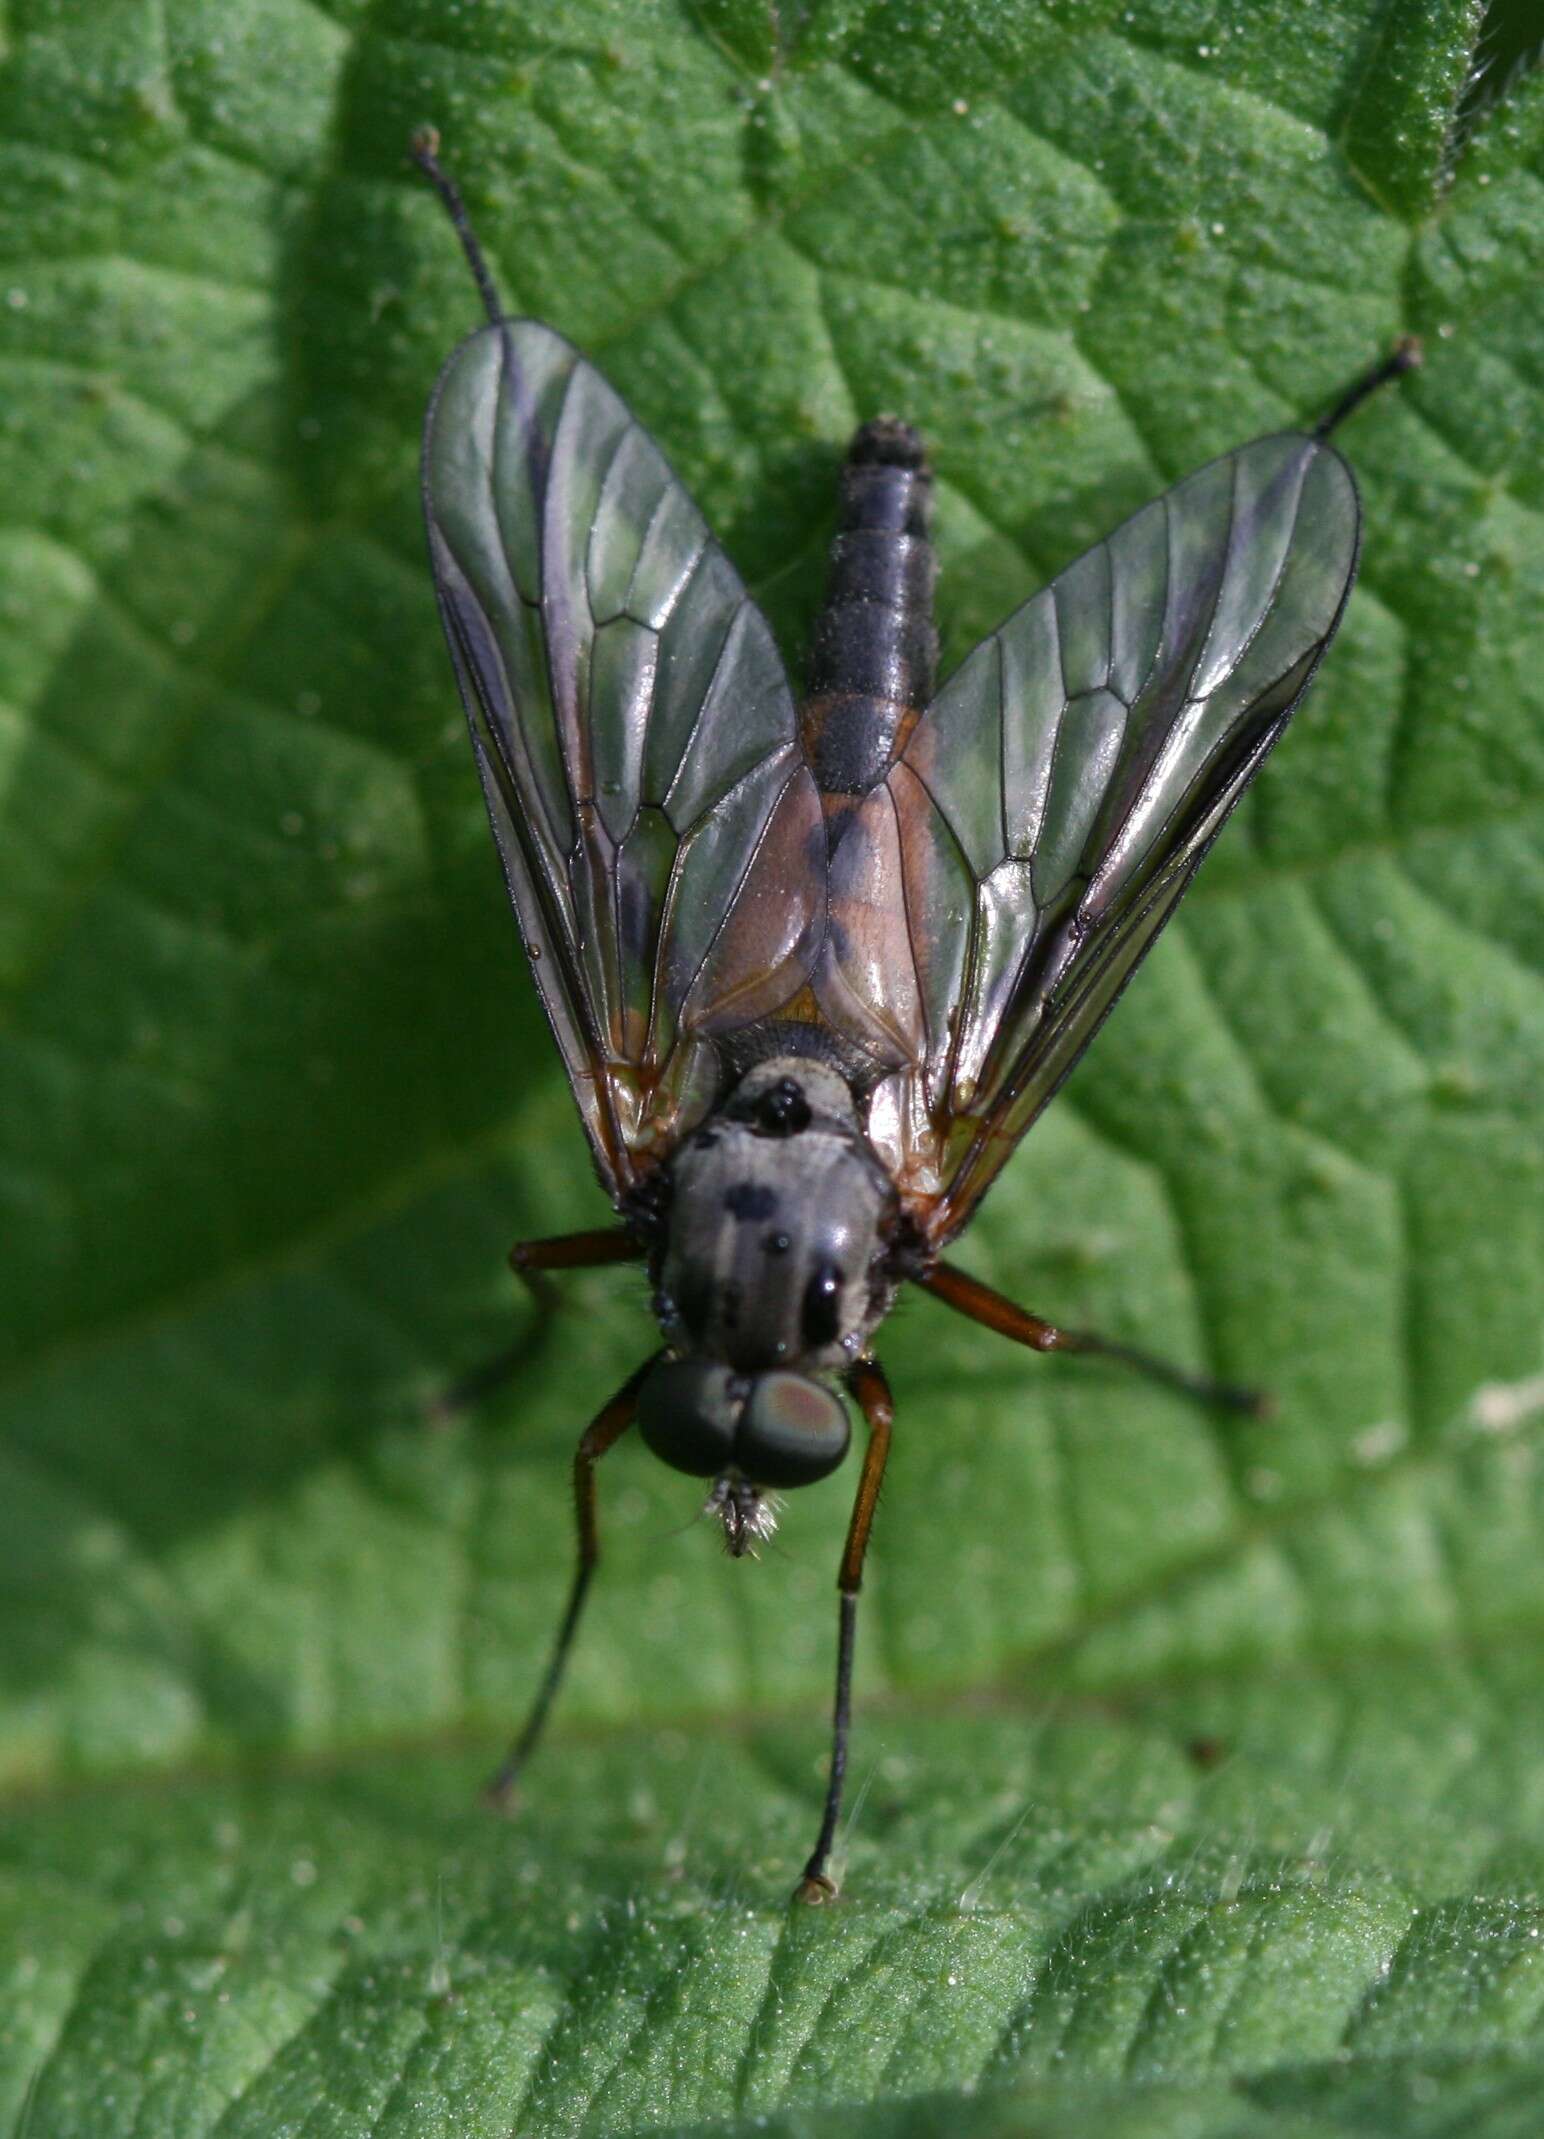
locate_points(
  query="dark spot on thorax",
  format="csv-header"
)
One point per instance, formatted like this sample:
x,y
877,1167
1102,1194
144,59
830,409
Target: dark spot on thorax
x,y
694,1300
750,1200
821,1318
781,1110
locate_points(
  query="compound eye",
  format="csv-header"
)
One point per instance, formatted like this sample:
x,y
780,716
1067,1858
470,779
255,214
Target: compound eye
x,y
688,1410
792,1431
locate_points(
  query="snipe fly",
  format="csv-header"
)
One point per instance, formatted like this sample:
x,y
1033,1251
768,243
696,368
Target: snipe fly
x,y
815,966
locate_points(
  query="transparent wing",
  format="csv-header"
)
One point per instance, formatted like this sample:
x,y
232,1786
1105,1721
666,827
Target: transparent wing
x,y
993,895
659,828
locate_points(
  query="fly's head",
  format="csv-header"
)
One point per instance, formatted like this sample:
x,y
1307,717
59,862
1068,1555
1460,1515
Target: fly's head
x,y
773,1274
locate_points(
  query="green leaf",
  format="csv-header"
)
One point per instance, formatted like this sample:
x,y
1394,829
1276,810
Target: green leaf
x,y
1198,1781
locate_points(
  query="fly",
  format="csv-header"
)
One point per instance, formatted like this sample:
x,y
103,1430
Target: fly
x,y
814,968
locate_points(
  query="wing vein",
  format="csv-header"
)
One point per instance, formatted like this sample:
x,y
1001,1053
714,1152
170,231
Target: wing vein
x,y
530,460
740,881
1116,804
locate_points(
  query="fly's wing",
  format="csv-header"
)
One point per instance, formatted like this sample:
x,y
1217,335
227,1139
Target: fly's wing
x,y
993,895
658,824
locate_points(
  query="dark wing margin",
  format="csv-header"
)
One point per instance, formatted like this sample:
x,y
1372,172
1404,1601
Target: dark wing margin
x,y
994,894
637,741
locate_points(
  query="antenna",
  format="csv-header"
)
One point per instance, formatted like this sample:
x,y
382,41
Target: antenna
x,y
425,151
1406,355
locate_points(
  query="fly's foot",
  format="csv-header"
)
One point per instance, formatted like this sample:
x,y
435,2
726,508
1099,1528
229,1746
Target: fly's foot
x,y
817,1889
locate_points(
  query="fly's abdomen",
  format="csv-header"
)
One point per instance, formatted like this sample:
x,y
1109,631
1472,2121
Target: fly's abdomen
x,y
874,654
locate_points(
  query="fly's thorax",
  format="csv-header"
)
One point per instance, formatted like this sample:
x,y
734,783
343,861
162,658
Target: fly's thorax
x,y
779,1214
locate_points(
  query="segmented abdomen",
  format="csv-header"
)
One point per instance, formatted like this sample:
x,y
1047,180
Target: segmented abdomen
x,y
874,655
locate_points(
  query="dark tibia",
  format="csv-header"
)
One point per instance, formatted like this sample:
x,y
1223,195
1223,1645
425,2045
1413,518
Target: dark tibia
x,y
602,1433
1406,355
530,1260
968,1296
872,1392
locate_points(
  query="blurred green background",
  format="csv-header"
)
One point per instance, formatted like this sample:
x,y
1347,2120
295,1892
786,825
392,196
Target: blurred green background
x,y
1198,1785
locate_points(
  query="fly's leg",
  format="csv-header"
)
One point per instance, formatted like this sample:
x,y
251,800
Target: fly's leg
x,y
531,1260
603,1432
872,1392
968,1296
